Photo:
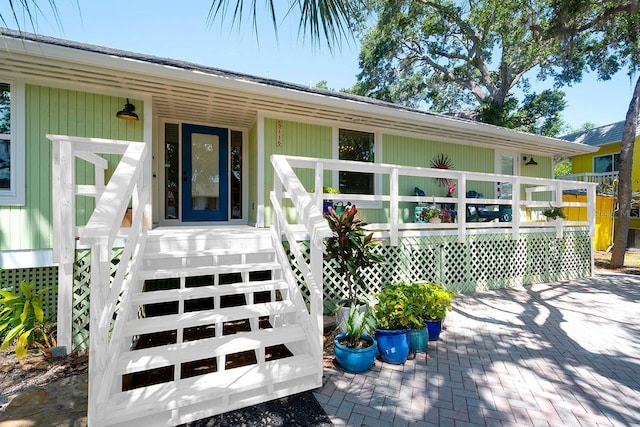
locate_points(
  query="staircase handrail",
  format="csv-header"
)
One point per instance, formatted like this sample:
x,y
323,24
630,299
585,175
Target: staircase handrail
x,y
126,184
286,182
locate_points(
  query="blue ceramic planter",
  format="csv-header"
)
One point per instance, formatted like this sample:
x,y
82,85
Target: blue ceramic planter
x,y
418,340
355,360
434,327
393,345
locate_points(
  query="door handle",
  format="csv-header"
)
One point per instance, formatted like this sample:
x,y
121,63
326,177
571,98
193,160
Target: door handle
x,y
185,176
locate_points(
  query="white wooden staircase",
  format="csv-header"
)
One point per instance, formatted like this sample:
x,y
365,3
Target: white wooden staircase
x,y
185,323
211,327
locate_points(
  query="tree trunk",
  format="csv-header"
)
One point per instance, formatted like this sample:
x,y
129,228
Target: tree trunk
x,y
624,180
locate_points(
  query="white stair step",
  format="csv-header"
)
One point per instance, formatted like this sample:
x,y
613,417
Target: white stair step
x,y
167,355
207,271
301,372
154,297
208,317
204,252
189,239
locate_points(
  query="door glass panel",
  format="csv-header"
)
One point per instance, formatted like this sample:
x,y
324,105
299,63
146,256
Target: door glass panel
x,y
205,174
236,174
171,173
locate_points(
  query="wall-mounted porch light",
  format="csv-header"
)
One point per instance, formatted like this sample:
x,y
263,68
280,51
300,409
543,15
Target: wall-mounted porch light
x,y
528,161
127,113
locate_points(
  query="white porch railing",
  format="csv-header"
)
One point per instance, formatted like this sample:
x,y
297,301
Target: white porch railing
x,y
529,197
287,185
126,186
607,182
602,179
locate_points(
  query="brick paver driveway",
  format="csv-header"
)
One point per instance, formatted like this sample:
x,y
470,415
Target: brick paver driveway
x,y
559,354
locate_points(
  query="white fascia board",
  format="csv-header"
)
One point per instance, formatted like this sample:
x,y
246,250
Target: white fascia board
x,y
33,258
196,76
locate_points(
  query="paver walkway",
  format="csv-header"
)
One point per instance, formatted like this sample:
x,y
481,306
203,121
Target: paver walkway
x,y
559,354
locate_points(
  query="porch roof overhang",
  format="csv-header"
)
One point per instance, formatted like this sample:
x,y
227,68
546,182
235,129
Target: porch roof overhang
x,y
185,91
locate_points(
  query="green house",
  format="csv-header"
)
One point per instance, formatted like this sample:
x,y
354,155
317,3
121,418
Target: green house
x,y
187,201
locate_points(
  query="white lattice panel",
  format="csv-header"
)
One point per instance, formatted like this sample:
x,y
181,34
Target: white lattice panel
x,y
484,261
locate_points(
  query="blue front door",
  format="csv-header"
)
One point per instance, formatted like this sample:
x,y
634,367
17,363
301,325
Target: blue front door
x,y
204,173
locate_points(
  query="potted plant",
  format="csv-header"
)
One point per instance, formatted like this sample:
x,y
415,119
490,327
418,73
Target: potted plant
x,y
393,316
327,203
353,249
437,301
553,213
434,214
418,335
355,350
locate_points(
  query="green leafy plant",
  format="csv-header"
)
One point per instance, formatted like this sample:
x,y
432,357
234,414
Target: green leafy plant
x,y
350,246
394,308
359,322
435,300
330,190
432,211
23,321
553,212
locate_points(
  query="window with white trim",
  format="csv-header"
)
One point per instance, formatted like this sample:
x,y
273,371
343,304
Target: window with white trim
x,y
358,146
11,149
606,163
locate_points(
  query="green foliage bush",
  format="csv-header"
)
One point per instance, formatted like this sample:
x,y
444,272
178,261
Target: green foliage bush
x,y
23,321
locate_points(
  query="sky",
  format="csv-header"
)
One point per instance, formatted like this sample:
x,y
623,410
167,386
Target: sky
x,y
172,29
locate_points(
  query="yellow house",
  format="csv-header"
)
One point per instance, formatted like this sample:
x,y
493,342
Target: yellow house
x,y
602,167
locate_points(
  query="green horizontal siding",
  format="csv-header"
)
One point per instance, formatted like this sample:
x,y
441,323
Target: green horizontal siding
x,y
64,112
407,151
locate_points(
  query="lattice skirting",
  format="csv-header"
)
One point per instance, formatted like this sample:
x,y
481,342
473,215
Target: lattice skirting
x,y
80,306
484,261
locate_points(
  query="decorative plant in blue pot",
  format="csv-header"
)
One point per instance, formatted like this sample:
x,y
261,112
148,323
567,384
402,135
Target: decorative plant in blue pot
x,y
355,350
437,303
392,334
418,335
352,249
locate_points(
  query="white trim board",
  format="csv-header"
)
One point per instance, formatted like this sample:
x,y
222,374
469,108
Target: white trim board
x,y
33,258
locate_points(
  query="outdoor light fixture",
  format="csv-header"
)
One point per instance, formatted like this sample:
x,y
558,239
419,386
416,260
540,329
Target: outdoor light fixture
x,y
127,113
529,162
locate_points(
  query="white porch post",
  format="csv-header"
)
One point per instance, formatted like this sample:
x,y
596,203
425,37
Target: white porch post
x,y
63,199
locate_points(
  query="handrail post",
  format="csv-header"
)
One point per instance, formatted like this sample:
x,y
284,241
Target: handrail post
x,y
515,208
462,207
393,206
316,294
591,220
64,247
99,285
319,180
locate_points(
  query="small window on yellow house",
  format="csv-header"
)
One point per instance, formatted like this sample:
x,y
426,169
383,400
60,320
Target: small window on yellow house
x,y
606,163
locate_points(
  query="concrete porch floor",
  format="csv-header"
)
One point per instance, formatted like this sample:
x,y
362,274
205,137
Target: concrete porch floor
x,y
559,354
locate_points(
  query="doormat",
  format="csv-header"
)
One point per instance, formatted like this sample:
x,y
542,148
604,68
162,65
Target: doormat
x,y
300,409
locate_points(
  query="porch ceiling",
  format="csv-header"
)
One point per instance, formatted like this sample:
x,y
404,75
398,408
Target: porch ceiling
x,y
229,99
